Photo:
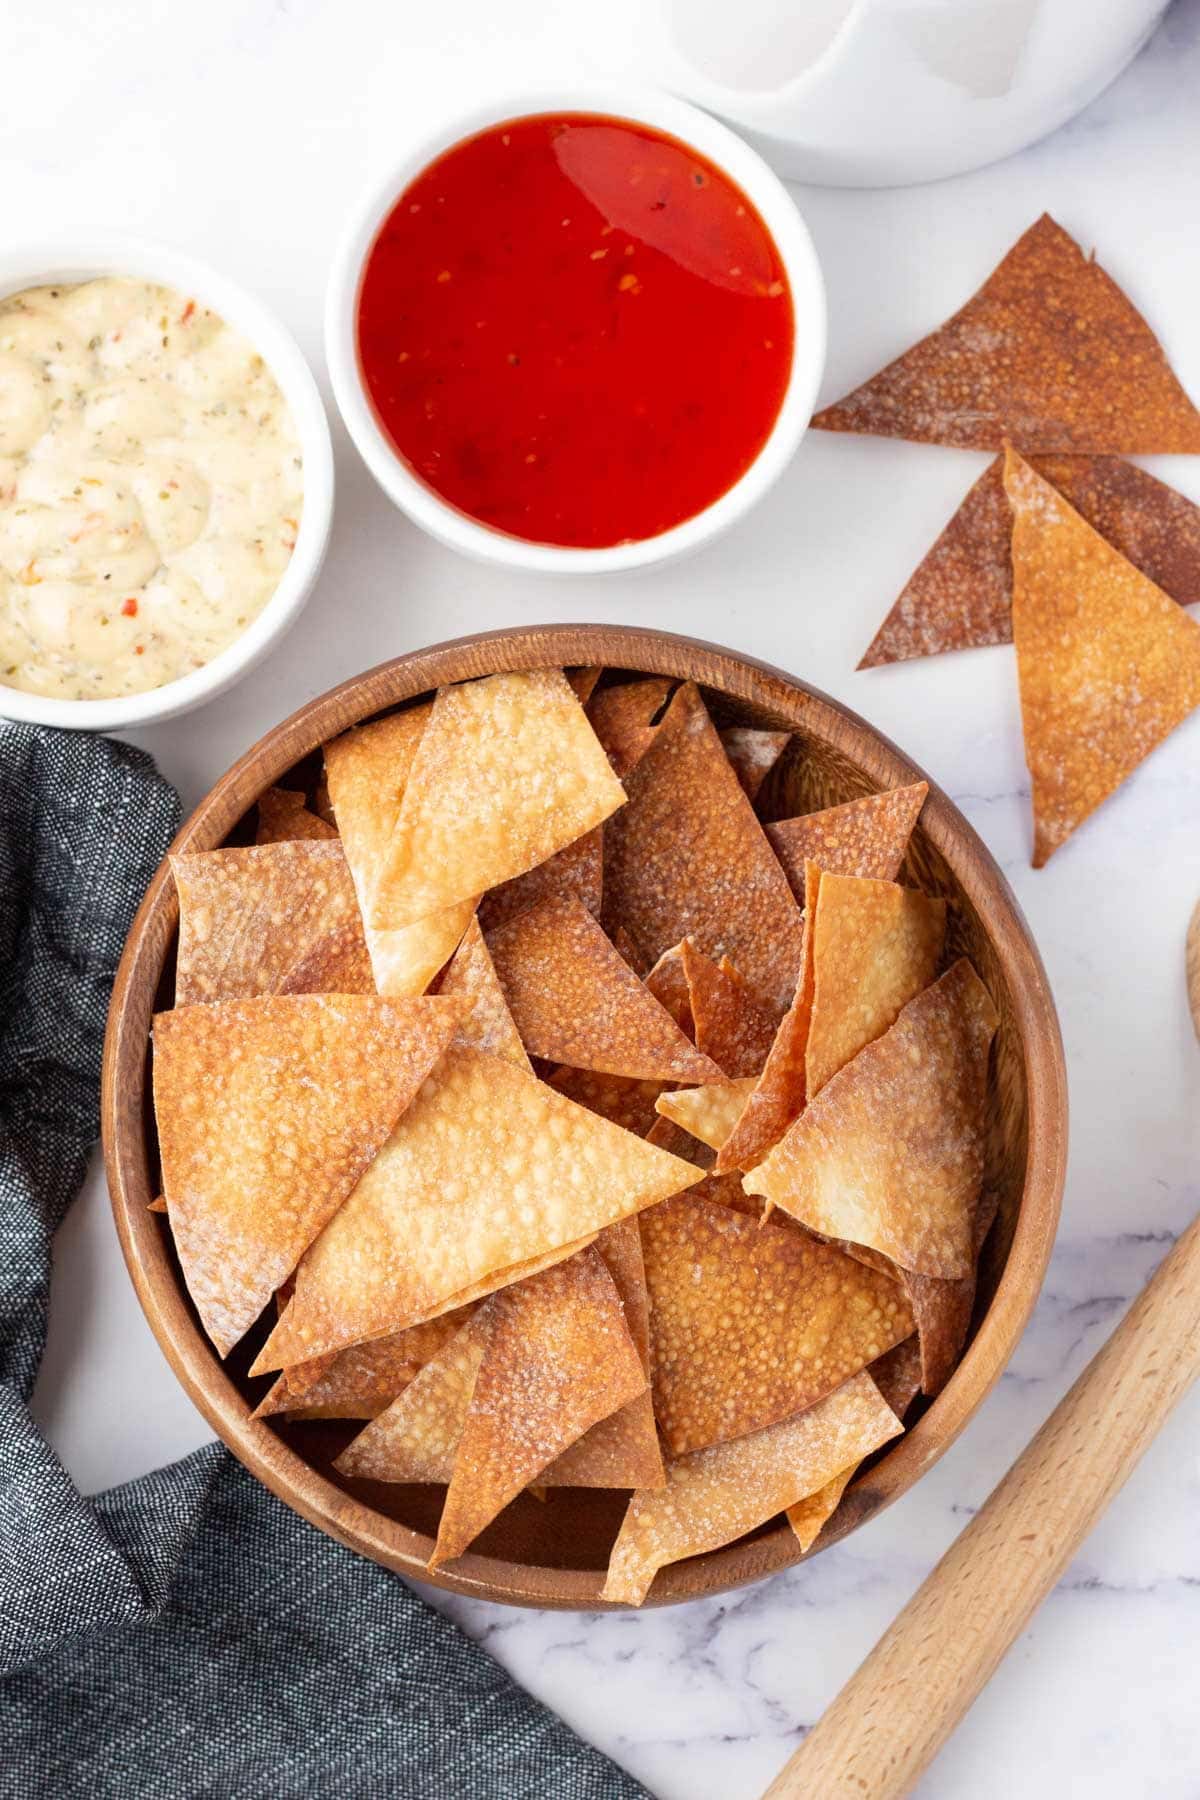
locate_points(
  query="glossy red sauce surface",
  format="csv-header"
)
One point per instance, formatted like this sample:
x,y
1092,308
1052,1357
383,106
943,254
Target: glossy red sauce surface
x,y
575,330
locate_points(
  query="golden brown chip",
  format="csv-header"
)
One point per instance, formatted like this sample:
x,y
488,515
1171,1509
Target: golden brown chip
x,y
249,917
416,1438
960,596
718,1494
865,837
688,858
890,1152
576,869
729,1027
898,1378
621,719
753,754
1108,665
559,1357
490,1168
359,1382
709,1113
488,1024
627,1102
943,1309
1048,355
268,1112
668,982
576,1000
336,964
507,771
875,945
809,1516
284,816
583,682
751,1323
157,1205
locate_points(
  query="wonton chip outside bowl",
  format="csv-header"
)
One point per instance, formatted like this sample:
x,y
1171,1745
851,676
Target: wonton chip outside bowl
x,y
555,1554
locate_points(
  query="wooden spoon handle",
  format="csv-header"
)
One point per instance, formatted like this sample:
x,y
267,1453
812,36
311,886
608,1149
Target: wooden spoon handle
x,y
898,1709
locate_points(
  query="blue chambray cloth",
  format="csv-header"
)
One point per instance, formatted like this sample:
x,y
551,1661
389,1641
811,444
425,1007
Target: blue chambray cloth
x,y
185,1635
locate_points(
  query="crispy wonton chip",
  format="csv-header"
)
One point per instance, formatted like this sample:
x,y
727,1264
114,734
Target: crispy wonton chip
x,y
268,1112
875,946
866,837
621,719
577,869
943,1309
890,1152
416,1438
710,1112
688,858
283,816
1108,665
583,682
249,917
488,1024
490,1168
751,1323
559,1358
576,1000
718,1494
898,1378
507,771
669,984
628,1103
337,964
728,1025
360,1382
1048,355
753,754
960,596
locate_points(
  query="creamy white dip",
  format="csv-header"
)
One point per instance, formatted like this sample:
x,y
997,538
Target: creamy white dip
x,y
150,487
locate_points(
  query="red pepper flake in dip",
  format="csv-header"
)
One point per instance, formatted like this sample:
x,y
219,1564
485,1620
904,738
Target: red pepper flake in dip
x,y
576,330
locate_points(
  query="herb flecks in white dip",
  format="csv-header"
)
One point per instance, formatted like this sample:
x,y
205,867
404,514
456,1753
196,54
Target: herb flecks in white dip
x,y
150,487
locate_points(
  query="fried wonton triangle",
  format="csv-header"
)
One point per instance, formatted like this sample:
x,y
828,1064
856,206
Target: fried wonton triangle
x,y
583,682
416,1438
559,1358
753,754
727,1023
943,1309
367,770
577,869
718,1494
249,918
488,1025
621,719
668,982
710,1112
283,816
751,1323
490,1169
898,1378
1108,665
688,858
960,596
875,945
1048,355
890,1153
507,771
628,1103
866,837
360,1382
576,1000
268,1112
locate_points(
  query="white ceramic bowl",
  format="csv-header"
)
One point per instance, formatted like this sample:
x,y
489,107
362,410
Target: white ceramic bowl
x,y
81,259
714,141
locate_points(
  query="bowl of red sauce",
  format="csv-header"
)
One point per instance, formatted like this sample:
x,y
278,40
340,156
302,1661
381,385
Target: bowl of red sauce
x,y
579,331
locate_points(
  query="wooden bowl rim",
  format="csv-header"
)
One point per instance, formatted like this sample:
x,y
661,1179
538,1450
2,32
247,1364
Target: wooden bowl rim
x,y
188,1351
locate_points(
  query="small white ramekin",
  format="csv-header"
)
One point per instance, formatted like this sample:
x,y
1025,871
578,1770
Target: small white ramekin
x,y
720,146
84,257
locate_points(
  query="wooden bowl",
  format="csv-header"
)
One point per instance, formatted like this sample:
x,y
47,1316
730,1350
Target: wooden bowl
x,y
553,1553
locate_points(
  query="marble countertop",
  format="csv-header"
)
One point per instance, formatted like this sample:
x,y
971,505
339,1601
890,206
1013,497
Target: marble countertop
x,y
241,131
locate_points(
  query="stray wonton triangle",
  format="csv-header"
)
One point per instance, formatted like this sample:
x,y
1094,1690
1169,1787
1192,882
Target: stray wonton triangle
x,y
507,771
1108,665
890,1153
491,1169
269,1111
960,596
751,1322
867,837
576,1000
1049,355
710,1112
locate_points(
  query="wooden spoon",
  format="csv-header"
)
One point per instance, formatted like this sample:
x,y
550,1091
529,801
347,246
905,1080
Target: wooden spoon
x,y
898,1709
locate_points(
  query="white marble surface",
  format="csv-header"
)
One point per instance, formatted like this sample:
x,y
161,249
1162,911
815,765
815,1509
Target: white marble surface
x,y
240,130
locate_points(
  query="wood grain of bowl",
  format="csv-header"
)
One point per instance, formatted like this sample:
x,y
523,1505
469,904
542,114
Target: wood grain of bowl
x,y
553,1553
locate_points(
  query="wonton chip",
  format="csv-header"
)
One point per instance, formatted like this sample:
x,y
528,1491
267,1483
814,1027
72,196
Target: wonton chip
x,y
688,858
489,1024
729,1027
1108,665
960,596
583,682
719,1494
489,1168
898,1378
576,1000
268,1112
358,1383
621,719
709,1113
875,946
1048,355
866,837
507,771
751,1323
890,1152
337,964
577,869
943,1309
669,984
416,1438
249,917
283,816
628,1102
753,754
559,1357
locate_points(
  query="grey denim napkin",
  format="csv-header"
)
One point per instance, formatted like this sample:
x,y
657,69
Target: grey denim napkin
x,y
185,1635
